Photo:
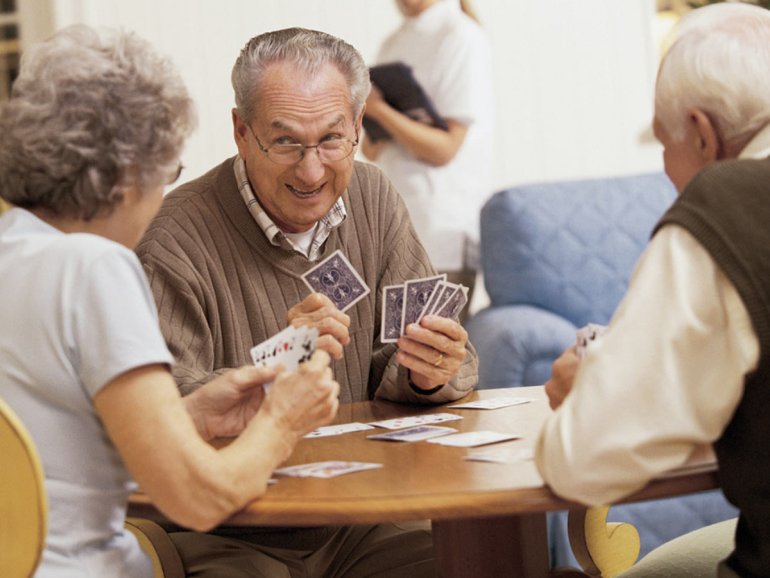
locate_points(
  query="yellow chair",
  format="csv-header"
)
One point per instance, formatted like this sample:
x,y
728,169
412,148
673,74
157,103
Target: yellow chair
x,y
23,502
603,549
156,543
24,509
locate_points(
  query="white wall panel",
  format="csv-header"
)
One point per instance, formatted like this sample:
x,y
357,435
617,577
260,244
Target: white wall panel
x,y
574,78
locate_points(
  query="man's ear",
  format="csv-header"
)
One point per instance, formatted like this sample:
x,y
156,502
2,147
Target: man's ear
x,y
708,144
240,133
360,119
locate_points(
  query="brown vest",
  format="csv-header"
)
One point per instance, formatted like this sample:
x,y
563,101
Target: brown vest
x,y
727,208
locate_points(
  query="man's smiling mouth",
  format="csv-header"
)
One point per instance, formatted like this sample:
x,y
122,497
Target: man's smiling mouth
x,y
304,193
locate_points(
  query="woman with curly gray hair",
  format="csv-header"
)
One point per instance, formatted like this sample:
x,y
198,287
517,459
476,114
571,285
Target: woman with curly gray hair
x,y
91,135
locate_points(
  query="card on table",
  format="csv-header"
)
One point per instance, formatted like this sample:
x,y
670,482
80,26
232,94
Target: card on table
x,y
415,420
501,455
473,438
338,429
392,308
336,278
328,469
414,434
492,403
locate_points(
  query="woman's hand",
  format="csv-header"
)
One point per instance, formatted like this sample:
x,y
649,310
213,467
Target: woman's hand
x,y
226,404
300,401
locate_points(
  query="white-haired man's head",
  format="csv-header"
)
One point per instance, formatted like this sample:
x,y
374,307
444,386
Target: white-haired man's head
x,y
713,88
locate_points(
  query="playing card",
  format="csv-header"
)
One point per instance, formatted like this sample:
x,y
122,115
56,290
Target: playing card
x,y
328,469
290,347
338,429
268,352
501,455
492,403
473,438
336,278
454,304
415,420
437,299
586,335
392,308
413,434
417,293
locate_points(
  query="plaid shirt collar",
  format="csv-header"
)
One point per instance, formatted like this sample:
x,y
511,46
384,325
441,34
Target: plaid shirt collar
x,y
333,219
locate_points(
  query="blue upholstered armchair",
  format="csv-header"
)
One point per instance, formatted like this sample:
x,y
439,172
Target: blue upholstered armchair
x,y
556,256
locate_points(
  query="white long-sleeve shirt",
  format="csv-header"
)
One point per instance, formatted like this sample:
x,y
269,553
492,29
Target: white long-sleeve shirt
x,y
665,378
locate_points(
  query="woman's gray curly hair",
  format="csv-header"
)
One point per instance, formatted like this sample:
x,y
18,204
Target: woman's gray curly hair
x,y
309,50
91,112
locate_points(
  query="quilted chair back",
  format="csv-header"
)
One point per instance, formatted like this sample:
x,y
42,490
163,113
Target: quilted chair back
x,y
569,247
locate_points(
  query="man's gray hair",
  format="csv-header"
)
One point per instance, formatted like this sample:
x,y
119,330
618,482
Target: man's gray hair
x,y
91,112
309,50
719,63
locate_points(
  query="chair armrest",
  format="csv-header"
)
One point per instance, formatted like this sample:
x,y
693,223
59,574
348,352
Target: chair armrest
x,y
602,549
156,543
517,344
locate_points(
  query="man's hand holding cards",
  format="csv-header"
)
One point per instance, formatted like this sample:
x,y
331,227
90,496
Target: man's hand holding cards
x,y
336,287
420,316
410,302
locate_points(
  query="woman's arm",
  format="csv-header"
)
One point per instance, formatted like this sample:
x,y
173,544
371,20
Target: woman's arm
x,y
191,482
431,145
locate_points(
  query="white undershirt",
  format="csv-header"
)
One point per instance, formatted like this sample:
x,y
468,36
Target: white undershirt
x,y
302,241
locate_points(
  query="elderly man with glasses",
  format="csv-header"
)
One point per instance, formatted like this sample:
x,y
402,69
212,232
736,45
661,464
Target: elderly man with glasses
x,y
225,258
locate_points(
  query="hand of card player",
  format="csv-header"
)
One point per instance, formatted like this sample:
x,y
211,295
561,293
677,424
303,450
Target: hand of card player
x,y
410,302
301,401
565,367
289,348
336,286
420,317
320,312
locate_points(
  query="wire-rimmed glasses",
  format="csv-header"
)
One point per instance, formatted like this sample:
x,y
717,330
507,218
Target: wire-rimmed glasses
x,y
329,150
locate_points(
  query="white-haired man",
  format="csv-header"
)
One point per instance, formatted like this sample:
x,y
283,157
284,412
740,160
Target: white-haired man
x,y
686,358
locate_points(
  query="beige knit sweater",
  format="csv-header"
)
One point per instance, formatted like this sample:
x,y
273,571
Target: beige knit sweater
x,y
221,287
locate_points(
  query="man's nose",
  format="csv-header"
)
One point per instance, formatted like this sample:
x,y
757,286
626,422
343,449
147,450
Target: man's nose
x,y
310,168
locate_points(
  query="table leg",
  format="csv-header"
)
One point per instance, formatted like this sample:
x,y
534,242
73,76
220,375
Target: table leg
x,y
492,547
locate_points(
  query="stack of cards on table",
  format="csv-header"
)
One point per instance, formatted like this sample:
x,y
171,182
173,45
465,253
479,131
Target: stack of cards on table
x,y
410,302
290,347
336,278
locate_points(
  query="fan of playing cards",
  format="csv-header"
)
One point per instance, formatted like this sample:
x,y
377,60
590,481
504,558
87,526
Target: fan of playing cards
x,y
410,302
289,347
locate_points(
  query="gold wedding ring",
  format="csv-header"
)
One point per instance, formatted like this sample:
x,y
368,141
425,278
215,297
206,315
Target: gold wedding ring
x,y
439,360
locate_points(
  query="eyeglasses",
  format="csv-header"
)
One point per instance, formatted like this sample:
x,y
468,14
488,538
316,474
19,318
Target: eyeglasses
x,y
329,151
176,174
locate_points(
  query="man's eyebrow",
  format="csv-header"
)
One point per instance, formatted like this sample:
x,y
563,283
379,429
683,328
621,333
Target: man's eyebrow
x,y
281,125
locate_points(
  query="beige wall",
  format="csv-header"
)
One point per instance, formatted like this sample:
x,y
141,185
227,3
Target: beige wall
x,y
574,78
